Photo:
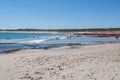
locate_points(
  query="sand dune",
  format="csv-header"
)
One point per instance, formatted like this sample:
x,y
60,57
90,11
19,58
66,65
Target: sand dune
x,y
89,62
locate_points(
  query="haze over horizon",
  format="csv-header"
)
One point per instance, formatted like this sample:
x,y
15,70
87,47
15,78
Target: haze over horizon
x,y
59,14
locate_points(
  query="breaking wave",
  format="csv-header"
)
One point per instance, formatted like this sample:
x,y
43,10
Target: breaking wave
x,y
30,41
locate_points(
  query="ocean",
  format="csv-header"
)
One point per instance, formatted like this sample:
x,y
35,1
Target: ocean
x,y
22,40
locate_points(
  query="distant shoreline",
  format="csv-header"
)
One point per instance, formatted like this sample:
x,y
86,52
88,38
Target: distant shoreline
x,y
65,30
78,32
29,32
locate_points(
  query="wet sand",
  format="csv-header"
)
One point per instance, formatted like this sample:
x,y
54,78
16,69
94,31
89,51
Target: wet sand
x,y
88,62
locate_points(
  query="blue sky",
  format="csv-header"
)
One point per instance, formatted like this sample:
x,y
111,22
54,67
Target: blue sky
x,y
50,14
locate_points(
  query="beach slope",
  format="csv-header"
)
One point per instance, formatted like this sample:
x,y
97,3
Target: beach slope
x,y
88,62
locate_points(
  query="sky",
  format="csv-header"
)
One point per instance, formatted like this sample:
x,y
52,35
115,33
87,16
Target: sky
x,y
59,14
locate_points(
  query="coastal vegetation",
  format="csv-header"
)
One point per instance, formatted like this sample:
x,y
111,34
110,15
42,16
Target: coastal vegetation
x,y
64,30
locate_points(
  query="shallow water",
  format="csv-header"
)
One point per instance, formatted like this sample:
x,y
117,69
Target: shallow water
x,y
12,40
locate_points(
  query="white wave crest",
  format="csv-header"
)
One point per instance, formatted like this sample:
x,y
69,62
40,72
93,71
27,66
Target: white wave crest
x,y
32,41
35,41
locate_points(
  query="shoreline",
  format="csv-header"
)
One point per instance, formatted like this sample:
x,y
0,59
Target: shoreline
x,y
70,44
52,47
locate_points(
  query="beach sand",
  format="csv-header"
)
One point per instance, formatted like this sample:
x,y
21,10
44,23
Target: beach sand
x,y
88,62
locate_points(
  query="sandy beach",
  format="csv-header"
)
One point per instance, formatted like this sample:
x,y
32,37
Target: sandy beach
x,y
88,62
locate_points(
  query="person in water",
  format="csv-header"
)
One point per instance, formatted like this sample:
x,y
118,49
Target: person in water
x,y
116,36
69,37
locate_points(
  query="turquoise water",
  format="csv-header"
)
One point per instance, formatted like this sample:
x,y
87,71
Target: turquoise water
x,y
12,40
